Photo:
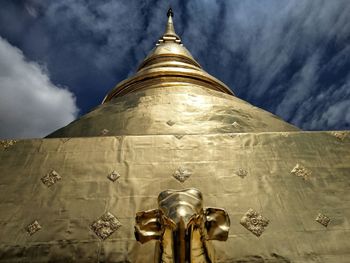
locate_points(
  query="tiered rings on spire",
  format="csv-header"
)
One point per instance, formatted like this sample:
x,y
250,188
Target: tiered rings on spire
x,y
169,34
169,64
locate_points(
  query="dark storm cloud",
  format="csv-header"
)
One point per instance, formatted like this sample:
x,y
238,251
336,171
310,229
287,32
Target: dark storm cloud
x,y
289,57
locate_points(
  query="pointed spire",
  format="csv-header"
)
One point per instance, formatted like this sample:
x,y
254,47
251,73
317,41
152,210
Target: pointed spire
x,y
168,64
169,34
170,12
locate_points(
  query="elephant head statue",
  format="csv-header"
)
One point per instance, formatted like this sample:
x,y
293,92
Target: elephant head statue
x,y
182,227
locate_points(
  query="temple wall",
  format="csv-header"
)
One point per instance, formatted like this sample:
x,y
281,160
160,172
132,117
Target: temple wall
x,y
236,172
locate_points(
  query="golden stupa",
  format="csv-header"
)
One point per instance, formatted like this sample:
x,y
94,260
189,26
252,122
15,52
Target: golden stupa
x,y
173,167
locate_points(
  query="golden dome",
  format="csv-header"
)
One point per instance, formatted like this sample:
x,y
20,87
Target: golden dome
x,y
168,64
171,94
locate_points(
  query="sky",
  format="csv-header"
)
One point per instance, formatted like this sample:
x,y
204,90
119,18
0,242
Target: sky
x,y
58,59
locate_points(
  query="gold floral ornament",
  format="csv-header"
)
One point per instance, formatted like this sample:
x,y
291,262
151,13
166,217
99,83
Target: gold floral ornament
x,y
7,143
170,122
284,134
340,135
105,226
301,171
113,176
51,178
104,132
182,174
64,140
33,227
323,220
241,173
254,222
179,136
236,124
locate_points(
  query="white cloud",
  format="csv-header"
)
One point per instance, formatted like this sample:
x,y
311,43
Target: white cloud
x,y
290,57
30,104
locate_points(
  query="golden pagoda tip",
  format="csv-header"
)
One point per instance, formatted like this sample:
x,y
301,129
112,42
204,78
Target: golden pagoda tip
x,y
169,34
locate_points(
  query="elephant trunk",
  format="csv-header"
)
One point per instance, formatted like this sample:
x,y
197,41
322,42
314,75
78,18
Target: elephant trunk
x,y
181,241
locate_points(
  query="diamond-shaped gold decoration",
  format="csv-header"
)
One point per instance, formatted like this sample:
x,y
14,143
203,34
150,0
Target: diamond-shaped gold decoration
x,y
179,136
236,124
241,173
182,174
104,132
341,135
7,143
254,222
113,176
301,171
64,140
170,122
33,227
322,219
51,178
105,226
284,134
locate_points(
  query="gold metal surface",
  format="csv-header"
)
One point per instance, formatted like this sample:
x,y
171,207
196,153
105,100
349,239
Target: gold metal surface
x,y
182,227
168,64
7,143
171,94
169,35
187,109
66,210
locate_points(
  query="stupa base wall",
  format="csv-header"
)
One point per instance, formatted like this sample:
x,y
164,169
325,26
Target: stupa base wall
x,y
288,178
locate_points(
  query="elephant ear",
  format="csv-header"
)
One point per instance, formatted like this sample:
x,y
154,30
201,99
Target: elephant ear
x,y
148,226
217,224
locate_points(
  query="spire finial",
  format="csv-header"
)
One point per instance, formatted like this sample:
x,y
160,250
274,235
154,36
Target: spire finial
x,y
169,35
170,12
